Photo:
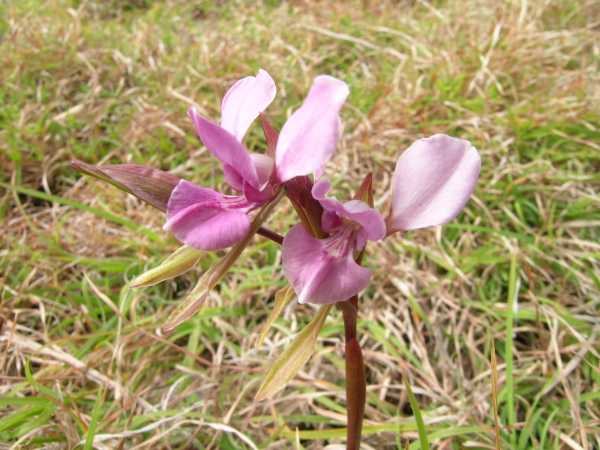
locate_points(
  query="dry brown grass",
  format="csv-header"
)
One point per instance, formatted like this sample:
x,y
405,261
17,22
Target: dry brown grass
x,y
110,81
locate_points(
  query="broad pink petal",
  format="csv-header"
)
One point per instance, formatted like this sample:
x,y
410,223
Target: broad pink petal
x,y
308,138
316,275
432,182
244,101
186,194
355,210
233,178
197,217
226,147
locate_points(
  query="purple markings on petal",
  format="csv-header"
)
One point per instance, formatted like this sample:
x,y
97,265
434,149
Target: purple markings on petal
x,y
244,101
432,182
317,274
354,210
226,147
200,217
308,138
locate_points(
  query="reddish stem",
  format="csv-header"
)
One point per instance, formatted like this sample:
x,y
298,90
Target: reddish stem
x,y
269,234
356,386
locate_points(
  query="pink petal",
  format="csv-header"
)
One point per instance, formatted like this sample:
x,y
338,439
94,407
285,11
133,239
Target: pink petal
x,y
244,101
316,275
264,167
432,182
355,210
308,138
233,178
227,149
186,194
198,218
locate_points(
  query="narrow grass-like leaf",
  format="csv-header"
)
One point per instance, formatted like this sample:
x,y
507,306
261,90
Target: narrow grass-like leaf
x,y
282,298
414,405
533,419
508,390
21,417
287,365
495,396
89,439
193,341
545,429
179,262
449,432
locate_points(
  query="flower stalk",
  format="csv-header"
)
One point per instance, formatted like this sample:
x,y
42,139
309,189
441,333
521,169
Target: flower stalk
x,y
356,386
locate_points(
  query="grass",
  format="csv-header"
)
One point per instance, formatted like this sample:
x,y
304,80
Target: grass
x,y
517,272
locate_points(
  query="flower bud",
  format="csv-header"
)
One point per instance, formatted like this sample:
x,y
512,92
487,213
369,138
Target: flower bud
x,y
150,185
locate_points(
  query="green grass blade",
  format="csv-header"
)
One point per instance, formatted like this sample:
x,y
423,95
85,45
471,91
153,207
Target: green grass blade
x,y
423,442
509,395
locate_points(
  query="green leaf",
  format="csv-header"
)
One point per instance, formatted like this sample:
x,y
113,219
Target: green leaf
x,y
179,262
294,357
282,298
423,442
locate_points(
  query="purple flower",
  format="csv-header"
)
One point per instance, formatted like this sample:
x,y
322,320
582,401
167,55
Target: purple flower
x,y
208,220
324,270
432,183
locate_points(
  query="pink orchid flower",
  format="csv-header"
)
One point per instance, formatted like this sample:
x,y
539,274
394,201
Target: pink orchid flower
x,y
324,270
209,220
432,183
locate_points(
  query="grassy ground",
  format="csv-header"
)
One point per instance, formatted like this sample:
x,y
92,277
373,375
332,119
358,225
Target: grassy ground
x,y
516,276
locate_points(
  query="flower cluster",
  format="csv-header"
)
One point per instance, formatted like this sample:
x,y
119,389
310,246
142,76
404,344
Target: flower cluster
x,y
321,255
432,182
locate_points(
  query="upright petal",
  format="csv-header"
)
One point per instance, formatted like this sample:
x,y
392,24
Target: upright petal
x,y
355,210
264,167
227,148
317,276
244,101
197,217
308,138
432,182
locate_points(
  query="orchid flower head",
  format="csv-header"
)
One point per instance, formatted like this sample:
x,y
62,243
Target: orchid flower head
x,y
432,183
324,271
209,220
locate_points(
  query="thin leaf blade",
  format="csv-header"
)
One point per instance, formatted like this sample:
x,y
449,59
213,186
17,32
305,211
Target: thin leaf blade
x,y
287,365
282,298
179,262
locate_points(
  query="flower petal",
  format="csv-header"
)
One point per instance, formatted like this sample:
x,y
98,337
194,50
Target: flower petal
x,y
316,276
226,147
264,167
308,138
355,210
197,217
244,101
432,182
